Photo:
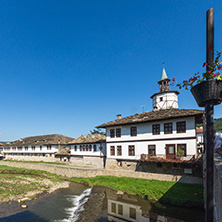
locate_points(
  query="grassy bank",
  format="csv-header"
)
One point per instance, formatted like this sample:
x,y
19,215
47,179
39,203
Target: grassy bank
x,y
175,193
16,183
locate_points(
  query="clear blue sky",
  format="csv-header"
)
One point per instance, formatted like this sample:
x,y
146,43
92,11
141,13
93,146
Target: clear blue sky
x,y
68,66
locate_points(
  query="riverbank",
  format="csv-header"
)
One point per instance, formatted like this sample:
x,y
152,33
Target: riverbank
x,y
175,193
20,183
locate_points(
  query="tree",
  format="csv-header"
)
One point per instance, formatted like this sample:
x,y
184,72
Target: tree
x,y
97,131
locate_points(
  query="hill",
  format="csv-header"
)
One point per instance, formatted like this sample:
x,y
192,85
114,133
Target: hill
x,y
218,124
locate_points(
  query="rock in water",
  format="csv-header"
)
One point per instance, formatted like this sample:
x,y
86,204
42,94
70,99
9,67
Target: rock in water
x,y
23,206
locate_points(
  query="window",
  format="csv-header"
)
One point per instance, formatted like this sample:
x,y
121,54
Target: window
x,y
118,132
181,127
49,147
168,128
112,150
131,150
94,147
84,148
87,148
133,131
75,147
120,209
33,148
112,133
152,150
19,148
90,147
156,129
161,99
119,150
132,213
40,147
113,207
13,148
182,148
80,147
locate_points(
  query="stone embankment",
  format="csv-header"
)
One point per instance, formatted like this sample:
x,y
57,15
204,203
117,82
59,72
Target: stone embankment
x,y
78,171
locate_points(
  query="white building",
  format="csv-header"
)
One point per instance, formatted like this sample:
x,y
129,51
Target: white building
x,y
167,132
88,150
36,147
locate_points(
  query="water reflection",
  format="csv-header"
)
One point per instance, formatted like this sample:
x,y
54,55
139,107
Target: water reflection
x,y
121,208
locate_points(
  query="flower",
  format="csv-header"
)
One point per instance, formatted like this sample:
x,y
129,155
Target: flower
x,y
204,64
211,73
219,67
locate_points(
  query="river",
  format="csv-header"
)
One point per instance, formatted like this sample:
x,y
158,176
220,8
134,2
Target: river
x,y
80,203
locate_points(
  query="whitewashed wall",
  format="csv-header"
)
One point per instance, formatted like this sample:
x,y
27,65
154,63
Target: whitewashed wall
x,y
54,148
170,99
98,152
144,132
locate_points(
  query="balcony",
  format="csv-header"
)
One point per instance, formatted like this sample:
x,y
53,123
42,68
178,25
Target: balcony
x,y
167,159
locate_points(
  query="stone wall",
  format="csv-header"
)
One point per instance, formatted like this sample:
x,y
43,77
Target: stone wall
x,y
72,171
218,187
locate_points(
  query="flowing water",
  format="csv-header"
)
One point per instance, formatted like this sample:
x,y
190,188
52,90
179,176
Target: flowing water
x,y
68,205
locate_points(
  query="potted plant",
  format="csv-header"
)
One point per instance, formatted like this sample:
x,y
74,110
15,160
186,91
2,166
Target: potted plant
x,y
180,154
206,87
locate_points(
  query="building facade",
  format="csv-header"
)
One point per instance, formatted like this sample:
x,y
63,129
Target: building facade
x,y
166,133
88,150
36,148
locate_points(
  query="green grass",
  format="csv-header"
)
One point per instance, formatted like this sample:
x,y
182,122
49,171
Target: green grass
x,y
180,194
16,181
36,162
32,173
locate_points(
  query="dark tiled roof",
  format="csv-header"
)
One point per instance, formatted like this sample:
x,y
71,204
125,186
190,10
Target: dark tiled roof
x,y
51,139
64,152
162,114
93,138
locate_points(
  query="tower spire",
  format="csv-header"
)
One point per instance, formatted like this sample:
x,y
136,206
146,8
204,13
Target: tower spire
x,y
164,75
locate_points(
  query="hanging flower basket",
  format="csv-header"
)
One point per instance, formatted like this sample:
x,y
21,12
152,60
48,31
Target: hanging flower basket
x,y
208,92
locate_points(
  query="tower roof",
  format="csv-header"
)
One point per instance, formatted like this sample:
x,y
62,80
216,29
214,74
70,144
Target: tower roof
x,y
164,75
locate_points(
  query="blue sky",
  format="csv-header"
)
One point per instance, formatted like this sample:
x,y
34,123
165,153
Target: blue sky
x,y
68,66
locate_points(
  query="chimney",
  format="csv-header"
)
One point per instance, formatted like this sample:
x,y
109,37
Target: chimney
x,y
155,108
118,116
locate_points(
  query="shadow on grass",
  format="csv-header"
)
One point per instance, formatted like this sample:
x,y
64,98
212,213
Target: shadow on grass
x,y
191,195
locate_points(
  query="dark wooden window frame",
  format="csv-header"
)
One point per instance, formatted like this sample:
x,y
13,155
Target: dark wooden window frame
x,y
152,147
75,147
156,129
131,150
184,149
181,127
119,150
94,147
112,150
168,128
112,133
133,131
118,132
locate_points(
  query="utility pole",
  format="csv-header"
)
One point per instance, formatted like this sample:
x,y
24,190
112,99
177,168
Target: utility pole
x,y
209,115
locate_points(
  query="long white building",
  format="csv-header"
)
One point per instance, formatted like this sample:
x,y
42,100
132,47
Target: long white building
x,y
36,147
